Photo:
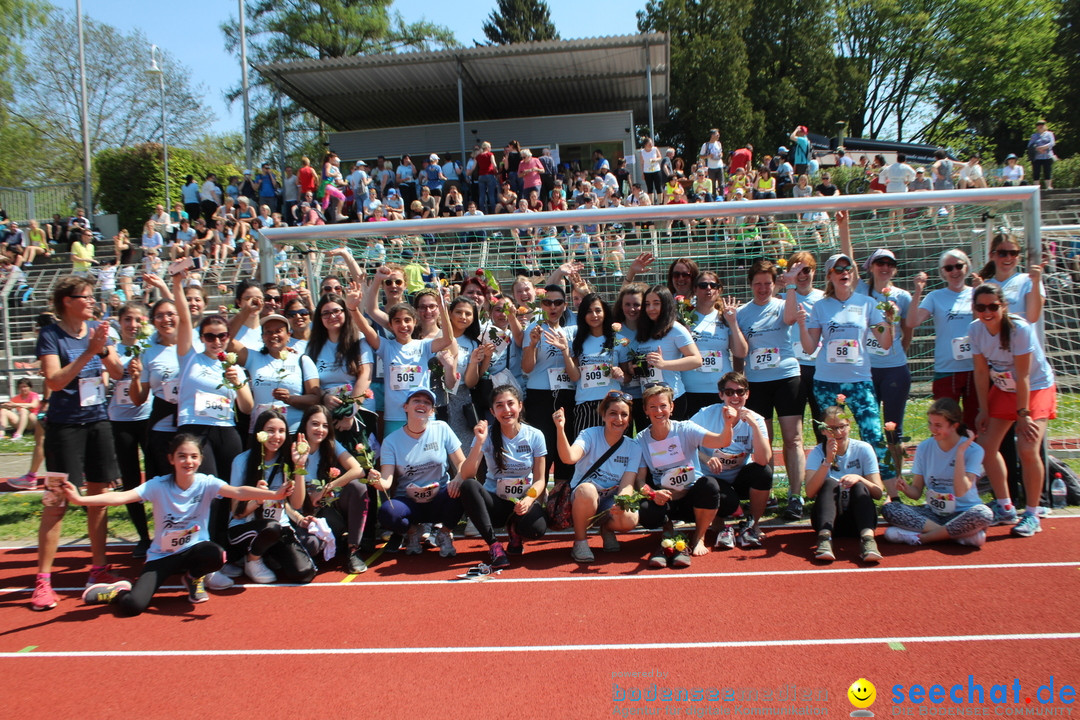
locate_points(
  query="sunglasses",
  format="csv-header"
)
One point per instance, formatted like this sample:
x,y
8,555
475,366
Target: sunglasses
x,y
331,313
1007,253
842,269
552,303
885,261
680,274
950,268
212,337
391,282
806,271
706,285
336,289
656,384
728,392
987,307
81,297
276,299
620,395
297,313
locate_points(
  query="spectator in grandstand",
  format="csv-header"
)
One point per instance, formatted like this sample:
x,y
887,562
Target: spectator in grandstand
x,y
1041,152
1015,384
802,153
429,204
921,183
712,155
151,238
332,184
842,159
650,158
942,171
1013,172
971,173
20,412
82,251
432,176
488,177
765,184
79,220
784,173
511,159
843,480
453,203
703,186
531,171
947,466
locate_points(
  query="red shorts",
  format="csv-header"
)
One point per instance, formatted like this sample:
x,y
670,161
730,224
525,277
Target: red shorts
x,y
1041,403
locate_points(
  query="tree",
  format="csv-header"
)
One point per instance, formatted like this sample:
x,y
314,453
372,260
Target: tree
x,y
124,102
1066,112
518,21
282,30
711,68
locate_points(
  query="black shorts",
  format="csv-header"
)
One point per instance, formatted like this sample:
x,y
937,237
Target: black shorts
x,y
82,450
779,396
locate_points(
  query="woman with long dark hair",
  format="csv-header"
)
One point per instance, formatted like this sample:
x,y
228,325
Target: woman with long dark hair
x,y
593,349
664,346
342,359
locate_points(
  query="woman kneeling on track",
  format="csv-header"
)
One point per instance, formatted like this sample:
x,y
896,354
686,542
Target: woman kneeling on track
x,y
516,460
742,467
416,463
676,489
605,464
842,477
260,530
947,466
181,542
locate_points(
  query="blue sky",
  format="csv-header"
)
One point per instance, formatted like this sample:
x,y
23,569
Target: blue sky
x,y
188,30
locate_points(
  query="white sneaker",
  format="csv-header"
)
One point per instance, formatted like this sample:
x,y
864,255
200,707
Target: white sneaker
x,y
581,552
974,540
258,572
445,540
232,569
900,535
218,581
725,538
412,541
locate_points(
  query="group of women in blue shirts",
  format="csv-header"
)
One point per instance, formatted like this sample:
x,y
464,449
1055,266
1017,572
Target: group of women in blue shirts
x,y
667,401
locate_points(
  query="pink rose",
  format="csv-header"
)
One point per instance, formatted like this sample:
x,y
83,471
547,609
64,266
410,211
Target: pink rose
x,y
841,399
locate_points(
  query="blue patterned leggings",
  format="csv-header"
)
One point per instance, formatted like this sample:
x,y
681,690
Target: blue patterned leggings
x,y
959,524
863,404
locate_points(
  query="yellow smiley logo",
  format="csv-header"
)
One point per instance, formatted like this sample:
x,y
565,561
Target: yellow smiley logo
x,y
862,693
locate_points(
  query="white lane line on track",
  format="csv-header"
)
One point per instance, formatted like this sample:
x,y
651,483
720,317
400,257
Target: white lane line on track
x,y
665,576
465,650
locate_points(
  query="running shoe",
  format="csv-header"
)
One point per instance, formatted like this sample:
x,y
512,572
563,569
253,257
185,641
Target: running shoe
x,y
1029,525
393,543
196,591
725,538
232,569
1003,516
611,542
258,572
104,576
824,550
354,564
29,481
772,505
583,554
750,535
868,550
795,505
516,543
658,559
499,560
427,535
412,541
899,535
1043,511
681,560
974,540
218,581
43,598
103,593
444,540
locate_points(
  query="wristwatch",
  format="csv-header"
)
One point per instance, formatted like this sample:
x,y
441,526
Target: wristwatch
x,y
1023,412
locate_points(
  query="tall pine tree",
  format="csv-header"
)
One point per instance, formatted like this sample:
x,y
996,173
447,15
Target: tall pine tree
x,y
518,21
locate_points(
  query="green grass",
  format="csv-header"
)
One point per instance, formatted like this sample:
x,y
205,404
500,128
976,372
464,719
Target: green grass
x,y
20,515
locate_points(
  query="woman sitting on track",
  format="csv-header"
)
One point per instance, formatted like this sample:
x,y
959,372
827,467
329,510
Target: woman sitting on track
x,y
515,456
416,462
669,467
261,530
181,543
1015,383
947,464
330,469
605,464
842,476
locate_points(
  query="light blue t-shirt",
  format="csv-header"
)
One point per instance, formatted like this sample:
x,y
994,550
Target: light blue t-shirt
x,y
312,478
250,337
268,373
121,408
300,345
406,369
807,301
161,369
952,317
549,372
937,468
895,355
1016,290
512,482
771,354
332,374
623,338
420,463
274,476
741,449
1022,341
858,460
595,364
626,459
713,338
673,461
670,348
202,402
844,329
181,517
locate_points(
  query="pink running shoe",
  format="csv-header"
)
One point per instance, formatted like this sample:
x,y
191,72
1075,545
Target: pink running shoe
x,y
105,576
44,598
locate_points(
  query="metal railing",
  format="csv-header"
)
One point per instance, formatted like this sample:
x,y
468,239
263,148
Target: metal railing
x,y
42,202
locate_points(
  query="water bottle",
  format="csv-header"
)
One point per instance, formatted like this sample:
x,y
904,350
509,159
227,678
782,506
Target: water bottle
x,y
1057,491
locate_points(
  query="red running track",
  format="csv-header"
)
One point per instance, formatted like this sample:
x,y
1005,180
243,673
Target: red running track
x,y
552,640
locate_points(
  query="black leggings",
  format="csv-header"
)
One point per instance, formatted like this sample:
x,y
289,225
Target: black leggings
x,y
540,406
219,446
485,509
704,495
751,477
128,439
271,539
348,515
198,560
860,514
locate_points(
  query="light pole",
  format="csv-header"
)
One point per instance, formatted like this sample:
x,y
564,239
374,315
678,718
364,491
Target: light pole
x,y
155,70
88,197
244,86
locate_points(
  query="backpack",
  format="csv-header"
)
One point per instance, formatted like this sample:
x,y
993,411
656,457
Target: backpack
x,y
1072,482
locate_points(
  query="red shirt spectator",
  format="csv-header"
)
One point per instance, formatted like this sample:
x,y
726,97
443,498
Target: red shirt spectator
x,y
485,163
307,179
741,158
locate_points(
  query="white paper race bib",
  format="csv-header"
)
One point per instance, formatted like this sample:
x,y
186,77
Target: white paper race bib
x,y
122,393
846,352
873,347
91,391
1003,380
961,348
558,379
651,375
593,376
170,391
212,405
712,361
177,540
272,511
512,488
422,494
765,358
941,503
405,378
678,479
729,461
